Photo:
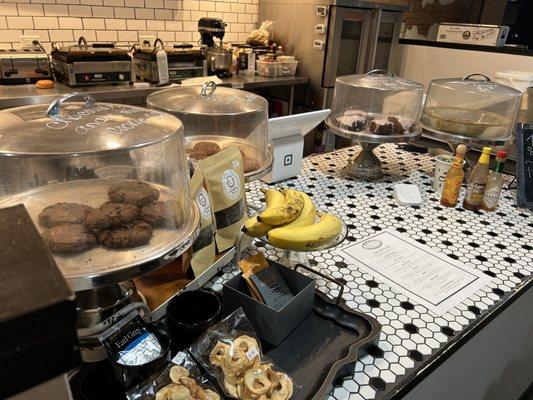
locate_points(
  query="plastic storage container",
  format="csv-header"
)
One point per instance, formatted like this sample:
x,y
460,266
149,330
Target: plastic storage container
x,y
276,68
471,107
376,104
89,154
218,117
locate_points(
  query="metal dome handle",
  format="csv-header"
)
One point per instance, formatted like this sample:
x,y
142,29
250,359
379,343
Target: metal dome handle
x,y
54,109
379,71
487,79
208,88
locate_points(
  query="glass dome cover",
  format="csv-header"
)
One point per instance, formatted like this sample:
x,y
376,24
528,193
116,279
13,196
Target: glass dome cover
x,y
470,107
105,184
376,106
216,117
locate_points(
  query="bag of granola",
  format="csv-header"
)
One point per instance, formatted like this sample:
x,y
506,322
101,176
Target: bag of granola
x,y
203,249
224,179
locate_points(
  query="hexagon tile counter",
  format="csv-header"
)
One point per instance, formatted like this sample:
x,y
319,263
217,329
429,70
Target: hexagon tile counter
x,y
414,342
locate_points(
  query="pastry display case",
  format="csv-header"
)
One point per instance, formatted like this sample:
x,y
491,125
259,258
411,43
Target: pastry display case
x,y
105,184
218,117
371,109
471,110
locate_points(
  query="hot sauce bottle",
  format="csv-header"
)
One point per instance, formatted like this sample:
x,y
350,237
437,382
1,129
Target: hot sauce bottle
x,y
494,184
454,179
477,182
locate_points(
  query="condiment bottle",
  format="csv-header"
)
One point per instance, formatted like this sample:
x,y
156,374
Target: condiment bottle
x,y
494,184
162,65
454,179
475,188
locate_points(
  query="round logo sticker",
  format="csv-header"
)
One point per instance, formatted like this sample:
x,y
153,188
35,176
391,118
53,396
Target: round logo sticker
x,y
231,184
202,201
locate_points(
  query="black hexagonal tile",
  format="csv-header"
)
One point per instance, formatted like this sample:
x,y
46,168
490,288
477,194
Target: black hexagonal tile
x,y
377,383
475,310
411,328
415,355
407,305
372,284
373,303
447,331
375,351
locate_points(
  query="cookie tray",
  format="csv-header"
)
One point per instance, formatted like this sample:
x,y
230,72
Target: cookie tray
x,y
325,346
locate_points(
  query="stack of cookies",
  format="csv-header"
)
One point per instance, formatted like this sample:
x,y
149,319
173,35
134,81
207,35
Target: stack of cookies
x,y
127,220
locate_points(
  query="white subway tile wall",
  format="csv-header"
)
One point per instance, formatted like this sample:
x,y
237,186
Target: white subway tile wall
x,y
121,21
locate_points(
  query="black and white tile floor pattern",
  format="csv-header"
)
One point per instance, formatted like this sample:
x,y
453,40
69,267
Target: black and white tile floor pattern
x,y
498,243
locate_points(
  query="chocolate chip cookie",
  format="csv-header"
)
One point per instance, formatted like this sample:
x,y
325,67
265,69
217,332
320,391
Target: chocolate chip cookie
x,y
63,213
132,235
250,164
110,215
134,192
162,214
208,148
68,238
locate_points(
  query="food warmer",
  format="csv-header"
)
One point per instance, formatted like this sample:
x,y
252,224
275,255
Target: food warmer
x,y
371,109
470,110
92,153
218,117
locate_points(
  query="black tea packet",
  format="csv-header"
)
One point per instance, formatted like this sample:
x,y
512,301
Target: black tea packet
x,y
272,287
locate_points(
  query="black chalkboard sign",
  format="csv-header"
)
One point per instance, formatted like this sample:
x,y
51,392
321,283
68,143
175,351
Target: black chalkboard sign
x,y
524,165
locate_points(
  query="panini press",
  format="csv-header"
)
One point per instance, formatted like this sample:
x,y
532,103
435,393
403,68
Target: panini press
x,y
184,61
85,64
26,65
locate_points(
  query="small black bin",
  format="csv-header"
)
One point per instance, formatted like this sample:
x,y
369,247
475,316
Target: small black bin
x,y
271,325
129,375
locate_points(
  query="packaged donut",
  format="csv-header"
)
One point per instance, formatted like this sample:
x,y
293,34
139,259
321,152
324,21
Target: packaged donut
x,y
181,379
231,352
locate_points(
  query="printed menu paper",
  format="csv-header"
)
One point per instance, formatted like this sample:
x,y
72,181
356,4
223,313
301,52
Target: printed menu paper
x,y
424,275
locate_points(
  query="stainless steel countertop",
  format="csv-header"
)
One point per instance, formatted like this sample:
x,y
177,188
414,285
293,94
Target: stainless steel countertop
x,y
22,95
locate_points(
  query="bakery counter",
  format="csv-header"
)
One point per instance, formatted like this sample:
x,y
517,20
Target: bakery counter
x,y
22,95
483,344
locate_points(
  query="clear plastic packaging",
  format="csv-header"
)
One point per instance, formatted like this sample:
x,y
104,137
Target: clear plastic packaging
x,y
181,377
66,161
218,117
472,106
231,352
276,68
377,103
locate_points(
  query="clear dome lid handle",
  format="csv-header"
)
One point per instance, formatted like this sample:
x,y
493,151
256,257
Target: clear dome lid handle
x,y
380,72
208,88
486,78
54,109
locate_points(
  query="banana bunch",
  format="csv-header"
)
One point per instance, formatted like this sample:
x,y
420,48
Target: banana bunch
x,y
289,221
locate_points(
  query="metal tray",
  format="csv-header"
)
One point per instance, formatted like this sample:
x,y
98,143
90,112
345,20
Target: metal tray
x,y
363,137
325,346
101,266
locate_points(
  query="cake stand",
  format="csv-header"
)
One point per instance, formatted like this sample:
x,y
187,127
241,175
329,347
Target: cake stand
x,y
454,139
366,164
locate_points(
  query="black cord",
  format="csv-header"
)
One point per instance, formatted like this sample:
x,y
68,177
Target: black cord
x,y
160,41
38,44
82,40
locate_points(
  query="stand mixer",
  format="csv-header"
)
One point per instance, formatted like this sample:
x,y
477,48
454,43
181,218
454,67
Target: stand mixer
x,y
218,58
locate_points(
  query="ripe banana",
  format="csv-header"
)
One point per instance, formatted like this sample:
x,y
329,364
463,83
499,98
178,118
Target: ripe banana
x,y
287,212
273,198
306,237
307,216
254,228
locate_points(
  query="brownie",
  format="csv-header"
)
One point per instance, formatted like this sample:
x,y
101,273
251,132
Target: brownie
x,y
68,238
208,148
110,215
63,213
133,235
396,124
381,127
133,192
162,213
355,123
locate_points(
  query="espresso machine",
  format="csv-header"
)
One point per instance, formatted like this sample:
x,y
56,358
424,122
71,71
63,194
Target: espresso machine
x,y
218,58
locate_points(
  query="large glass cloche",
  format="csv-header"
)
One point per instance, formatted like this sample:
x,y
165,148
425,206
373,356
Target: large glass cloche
x,y
217,117
472,107
105,184
376,104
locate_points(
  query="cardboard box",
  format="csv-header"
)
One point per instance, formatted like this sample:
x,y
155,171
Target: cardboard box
x,y
271,325
481,35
